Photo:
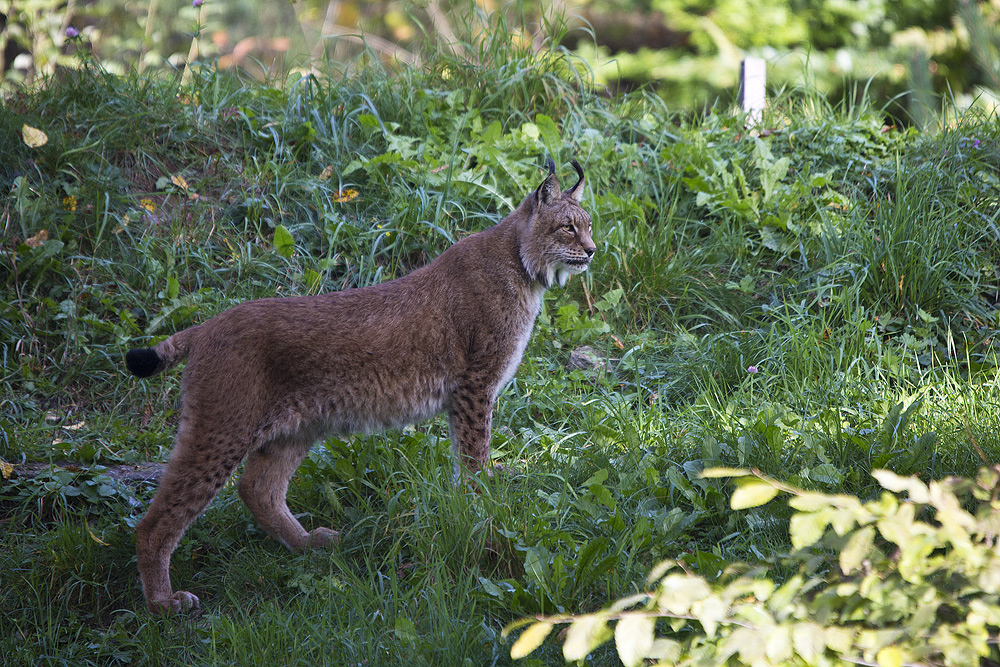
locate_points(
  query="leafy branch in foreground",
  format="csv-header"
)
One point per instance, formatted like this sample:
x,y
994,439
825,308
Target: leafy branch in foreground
x,y
891,582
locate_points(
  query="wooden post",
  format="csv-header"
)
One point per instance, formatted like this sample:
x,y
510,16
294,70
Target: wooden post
x,y
753,80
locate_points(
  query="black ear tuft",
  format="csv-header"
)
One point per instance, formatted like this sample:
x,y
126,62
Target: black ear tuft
x,y
142,362
576,192
548,191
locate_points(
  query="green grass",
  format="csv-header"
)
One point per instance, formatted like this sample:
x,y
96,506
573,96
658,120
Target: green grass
x,y
853,265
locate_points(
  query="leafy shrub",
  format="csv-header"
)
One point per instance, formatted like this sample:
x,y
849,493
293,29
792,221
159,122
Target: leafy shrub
x,y
897,580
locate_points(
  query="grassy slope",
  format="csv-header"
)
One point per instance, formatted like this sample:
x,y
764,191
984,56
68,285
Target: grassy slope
x,y
853,265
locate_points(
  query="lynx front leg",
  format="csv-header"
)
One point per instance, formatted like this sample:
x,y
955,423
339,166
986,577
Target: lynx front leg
x,y
263,488
470,419
193,477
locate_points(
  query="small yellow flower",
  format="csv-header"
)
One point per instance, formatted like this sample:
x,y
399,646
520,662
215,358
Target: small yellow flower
x,y
69,203
147,204
345,195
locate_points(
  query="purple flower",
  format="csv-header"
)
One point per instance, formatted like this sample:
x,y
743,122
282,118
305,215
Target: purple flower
x,y
196,3
72,33
752,370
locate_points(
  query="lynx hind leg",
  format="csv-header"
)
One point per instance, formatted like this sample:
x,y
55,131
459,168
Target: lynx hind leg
x,y
264,486
198,467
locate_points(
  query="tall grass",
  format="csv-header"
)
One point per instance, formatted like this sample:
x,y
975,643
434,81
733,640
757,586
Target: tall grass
x,y
815,301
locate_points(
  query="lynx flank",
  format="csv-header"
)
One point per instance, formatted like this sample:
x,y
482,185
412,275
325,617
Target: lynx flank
x,y
266,379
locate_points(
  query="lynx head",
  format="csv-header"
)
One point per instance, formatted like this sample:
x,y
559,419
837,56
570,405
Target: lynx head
x,y
558,242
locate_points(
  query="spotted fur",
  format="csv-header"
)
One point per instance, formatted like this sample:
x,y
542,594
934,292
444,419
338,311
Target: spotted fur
x,y
266,379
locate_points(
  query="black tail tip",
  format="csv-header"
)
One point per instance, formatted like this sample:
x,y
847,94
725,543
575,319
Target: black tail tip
x,y
142,362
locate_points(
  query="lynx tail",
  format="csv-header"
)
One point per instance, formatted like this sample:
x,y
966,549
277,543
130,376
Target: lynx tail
x,y
143,362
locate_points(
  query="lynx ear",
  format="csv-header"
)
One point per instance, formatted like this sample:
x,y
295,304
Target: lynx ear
x,y
548,191
576,192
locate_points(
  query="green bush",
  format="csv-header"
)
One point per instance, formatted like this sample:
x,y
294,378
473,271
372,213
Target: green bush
x,y
904,579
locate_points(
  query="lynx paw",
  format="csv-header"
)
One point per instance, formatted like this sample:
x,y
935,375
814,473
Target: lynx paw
x,y
181,601
321,538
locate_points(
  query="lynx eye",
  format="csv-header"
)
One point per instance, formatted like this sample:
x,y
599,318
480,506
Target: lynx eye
x,y
569,228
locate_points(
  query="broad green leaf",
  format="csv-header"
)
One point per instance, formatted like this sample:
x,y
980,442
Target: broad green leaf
x,y
284,244
925,316
535,565
514,625
713,473
826,473
492,133
898,527
890,656
752,493
679,591
709,612
585,634
666,651
749,643
857,549
807,529
839,639
368,121
810,501
807,639
489,587
173,287
530,639
779,645
916,489
405,630
603,496
549,133
634,638
627,602
771,175
659,570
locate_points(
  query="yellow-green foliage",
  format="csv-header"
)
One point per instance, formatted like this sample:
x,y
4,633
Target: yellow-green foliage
x,y
910,578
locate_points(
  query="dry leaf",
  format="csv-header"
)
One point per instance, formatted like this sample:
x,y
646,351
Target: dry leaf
x,y
179,181
345,195
326,173
38,239
33,137
95,537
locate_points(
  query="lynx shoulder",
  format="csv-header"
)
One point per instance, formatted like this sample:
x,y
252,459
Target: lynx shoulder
x,y
265,379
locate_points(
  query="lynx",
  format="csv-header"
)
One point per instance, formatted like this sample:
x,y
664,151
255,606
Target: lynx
x,y
266,379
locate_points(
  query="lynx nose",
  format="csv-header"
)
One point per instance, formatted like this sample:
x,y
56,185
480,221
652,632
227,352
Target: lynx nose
x,y
590,250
